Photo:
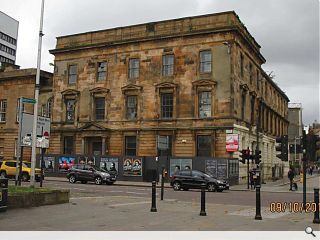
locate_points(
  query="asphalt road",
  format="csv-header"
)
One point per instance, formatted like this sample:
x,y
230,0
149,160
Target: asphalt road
x,y
243,198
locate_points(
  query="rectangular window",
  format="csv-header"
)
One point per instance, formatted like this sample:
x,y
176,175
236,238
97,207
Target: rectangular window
x,y
1,148
131,146
205,61
99,103
204,145
72,79
204,104
49,107
243,104
250,73
70,107
166,105
258,80
131,107
3,110
241,65
252,109
133,68
68,145
167,65
167,152
18,107
102,71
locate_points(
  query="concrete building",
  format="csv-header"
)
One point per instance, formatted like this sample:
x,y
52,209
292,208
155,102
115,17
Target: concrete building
x,y
197,80
16,83
295,132
8,38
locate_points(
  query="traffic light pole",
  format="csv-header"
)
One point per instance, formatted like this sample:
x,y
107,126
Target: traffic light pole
x,y
304,170
248,174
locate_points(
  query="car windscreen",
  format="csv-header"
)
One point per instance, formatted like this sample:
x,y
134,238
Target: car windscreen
x,y
98,169
26,164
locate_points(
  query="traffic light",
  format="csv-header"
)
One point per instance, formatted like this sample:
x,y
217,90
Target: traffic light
x,y
282,147
257,157
252,157
313,147
245,155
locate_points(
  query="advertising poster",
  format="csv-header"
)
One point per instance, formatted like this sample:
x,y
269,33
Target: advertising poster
x,y
232,142
48,163
91,160
132,167
65,163
179,164
109,163
211,167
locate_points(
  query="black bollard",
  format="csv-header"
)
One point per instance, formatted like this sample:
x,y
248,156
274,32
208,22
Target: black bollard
x,y
162,183
203,200
258,203
153,202
316,201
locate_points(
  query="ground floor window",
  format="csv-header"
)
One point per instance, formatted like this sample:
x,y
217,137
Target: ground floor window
x,y
130,146
204,143
68,145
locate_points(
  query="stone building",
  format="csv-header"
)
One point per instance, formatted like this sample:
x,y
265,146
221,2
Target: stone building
x,y
16,83
295,132
196,80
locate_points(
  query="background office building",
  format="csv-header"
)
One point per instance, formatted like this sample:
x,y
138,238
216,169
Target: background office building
x,y
8,38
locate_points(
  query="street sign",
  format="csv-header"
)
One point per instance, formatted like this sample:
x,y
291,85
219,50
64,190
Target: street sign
x,y
43,130
163,142
28,100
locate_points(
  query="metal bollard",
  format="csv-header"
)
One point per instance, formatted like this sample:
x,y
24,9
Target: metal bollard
x,y
203,200
162,183
258,203
316,201
153,202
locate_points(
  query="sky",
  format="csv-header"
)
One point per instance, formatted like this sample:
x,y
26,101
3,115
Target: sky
x,y
287,30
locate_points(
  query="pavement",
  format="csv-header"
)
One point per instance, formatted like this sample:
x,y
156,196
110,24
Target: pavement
x,y
281,185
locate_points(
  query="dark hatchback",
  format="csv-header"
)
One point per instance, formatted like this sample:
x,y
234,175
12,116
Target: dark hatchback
x,y
188,179
89,173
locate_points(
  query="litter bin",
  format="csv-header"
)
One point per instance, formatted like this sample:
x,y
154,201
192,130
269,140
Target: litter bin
x,y
3,194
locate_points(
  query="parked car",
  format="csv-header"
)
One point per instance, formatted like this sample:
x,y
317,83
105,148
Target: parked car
x,y
188,179
8,169
89,173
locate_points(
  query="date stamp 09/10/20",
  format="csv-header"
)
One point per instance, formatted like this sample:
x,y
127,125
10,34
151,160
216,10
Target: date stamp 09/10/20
x,y
293,207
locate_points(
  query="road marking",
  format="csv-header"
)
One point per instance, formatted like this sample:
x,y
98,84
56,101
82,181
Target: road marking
x,y
137,193
126,204
74,198
115,191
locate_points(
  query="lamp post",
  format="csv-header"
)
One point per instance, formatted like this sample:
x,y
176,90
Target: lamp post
x,y
36,97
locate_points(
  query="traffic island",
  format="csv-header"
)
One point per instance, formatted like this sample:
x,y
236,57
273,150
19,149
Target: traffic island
x,y
24,197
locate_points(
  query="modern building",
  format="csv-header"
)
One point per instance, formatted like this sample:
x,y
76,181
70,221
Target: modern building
x,y
197,81
16,83
295,130
8,38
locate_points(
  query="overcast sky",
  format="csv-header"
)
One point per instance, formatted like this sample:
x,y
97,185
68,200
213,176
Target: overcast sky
x,y
287,30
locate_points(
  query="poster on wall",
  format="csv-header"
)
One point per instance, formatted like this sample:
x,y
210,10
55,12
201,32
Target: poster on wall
x,y
222,169
232,142
109,163
180,164
65,163
211,167
132,167
48,163
91,160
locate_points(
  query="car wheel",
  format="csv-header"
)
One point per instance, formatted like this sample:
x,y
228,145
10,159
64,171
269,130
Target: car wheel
x,y
72,179
25,177
3,174
211,187
98,180
176,186
83,182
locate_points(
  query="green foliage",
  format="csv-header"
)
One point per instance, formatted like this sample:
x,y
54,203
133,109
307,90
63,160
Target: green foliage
x,y
23,189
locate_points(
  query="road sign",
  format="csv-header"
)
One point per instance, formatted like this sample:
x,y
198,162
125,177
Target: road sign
x,y
28,100
163,142
43,130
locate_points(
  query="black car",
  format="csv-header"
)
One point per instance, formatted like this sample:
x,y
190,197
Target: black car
x,y
89,173
194,179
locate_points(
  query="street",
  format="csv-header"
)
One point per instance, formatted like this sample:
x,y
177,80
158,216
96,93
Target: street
x,y
122,208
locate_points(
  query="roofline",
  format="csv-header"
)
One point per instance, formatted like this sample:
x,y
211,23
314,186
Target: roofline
x,y
275,85
10,17
167,20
